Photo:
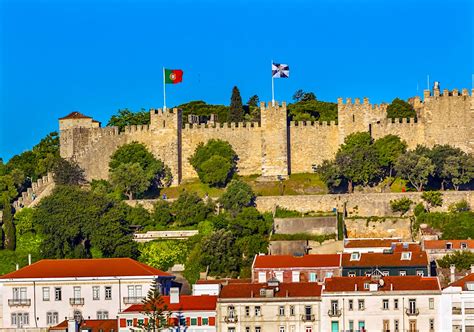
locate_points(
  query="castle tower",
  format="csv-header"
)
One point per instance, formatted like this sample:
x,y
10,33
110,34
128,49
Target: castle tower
x,y
275,142
75,133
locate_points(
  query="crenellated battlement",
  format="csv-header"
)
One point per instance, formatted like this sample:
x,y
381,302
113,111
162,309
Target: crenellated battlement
x,y
222,126
447,93
313,124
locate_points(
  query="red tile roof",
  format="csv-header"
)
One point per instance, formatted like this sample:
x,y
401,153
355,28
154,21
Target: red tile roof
x,y
186,303
297,289
288,261
462,282
106,325
224,281
373,259
71,268
441,244
75,115
395,283
370,243
404,246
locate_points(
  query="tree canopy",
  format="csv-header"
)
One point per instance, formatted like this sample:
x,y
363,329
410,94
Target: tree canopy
x,y
236,110
125,117
400,109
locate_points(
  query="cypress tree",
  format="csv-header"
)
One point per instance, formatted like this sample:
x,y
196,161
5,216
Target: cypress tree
x,y
236,110
8,227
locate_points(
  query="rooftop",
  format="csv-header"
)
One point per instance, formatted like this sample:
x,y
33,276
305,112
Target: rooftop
x,y
224,281
288,261
370,243
469,279
441,244
92,325
252,290
395,283
371,259
75,115
186,303
76,268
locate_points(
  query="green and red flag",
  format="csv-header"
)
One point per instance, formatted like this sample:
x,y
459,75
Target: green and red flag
x,y
173,76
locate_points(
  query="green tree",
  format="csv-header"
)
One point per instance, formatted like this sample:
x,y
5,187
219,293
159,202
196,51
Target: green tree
x,y
189,209
249,222
401,205
458,169
415,168
237,196
330,174
130,179
8,226
216,171
138,215
163,254
298,95
200,108
432,199
389,148
125,117
312,110
157,311
400,109
221,254
236,110
439,155
162,213
68,173
461,259
253,101
7,188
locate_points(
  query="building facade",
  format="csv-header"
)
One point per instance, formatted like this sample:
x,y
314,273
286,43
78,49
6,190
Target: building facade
x,y
437,249
457,306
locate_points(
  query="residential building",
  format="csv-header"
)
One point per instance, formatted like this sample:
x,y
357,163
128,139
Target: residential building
x,y
379,303
457,306
187,313
287,268
271,306
213,286
393,263
50,291
369,245
437,249
89,325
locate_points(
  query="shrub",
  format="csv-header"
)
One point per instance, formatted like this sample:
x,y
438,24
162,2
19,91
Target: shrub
x,y
432,198
401,205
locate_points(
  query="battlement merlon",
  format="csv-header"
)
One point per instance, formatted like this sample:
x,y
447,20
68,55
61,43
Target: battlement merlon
x,y
446,93
271,105
170,118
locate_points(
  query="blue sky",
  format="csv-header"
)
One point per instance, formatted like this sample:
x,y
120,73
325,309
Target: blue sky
x,y
99,56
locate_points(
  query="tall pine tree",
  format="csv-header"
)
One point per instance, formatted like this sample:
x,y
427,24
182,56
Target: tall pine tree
x,y
236,110
8,227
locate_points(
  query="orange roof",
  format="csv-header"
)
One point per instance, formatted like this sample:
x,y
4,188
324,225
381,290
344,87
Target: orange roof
x,y
370,243
95,325
186,303
395,283
373,259
462,282
441,244
288,261
224,281
75,115
252,290
73,268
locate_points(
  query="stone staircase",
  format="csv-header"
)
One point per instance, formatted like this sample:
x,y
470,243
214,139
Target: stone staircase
x,y
33,195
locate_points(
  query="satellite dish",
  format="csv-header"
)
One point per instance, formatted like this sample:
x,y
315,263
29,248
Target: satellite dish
x,y
381,282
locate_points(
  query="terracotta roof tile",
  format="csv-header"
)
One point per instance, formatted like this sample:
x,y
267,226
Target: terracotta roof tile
x,y
186,303
441,244
370,243
106,325
70,268
372,259
75,115
395,283
288,261
224,281
297,289
463,281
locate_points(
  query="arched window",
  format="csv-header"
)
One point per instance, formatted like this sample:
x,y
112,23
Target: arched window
x,y
77,315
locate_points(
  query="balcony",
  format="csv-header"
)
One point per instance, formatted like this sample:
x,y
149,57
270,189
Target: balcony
x,y
19,302
133,299
334,312
76,301
308,318
230,319
412,312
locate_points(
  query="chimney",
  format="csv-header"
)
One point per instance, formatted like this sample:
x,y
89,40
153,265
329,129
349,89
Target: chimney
x,y
17,266
29,259
452,269
174,295
472,268
72,325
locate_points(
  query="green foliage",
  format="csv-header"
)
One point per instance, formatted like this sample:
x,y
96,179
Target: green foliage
x,y
209,170
452,225
460,206
156,310
301,95
200,108
163,254
24,221
236,110
249,222
419,209
432,198
400,109
312,110
8,226
281,212
221,254
237,196
189,209
389,148
7,188
401,205
462,259
130,179
126,117
68,173
458,169
415,168
331,174
162,213
138,215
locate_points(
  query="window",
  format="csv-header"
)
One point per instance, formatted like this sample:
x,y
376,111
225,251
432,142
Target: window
x,y
258,329
351,305
77,315
19,293
231,329
449,246
247,311
308,329
395,304
281,311
231,311
329,274
20,319
419,273
431,324
134,291
385,304
77,292
45,293
402,273
205,321
129,322
262,277
463,245
247,329
351,274
431,300
385,273
351,326
295,276
108,292
396,325
292,328
279,276
52,318
263,292
312,277
412,305
258,311
95,293
57,294
194,321
292,310
281,329
366,285
355,256
406,256
102,314
361,304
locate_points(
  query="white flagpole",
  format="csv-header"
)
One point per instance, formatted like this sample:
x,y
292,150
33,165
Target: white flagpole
x,y
164,90
428,81
273,88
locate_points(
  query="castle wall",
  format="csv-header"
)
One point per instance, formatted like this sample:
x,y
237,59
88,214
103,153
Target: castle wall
x,y
407,129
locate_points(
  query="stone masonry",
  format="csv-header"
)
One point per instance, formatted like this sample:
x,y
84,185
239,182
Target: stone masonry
x,y
272,147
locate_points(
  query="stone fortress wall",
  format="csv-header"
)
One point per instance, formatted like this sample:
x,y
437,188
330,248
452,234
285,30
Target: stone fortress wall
x,y
274,147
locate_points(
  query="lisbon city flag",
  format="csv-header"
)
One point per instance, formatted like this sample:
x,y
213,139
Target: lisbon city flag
x,y
280,70
173,76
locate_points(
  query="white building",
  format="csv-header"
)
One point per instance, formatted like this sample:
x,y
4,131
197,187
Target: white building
x,y
369,245
49,291
457,306
377,303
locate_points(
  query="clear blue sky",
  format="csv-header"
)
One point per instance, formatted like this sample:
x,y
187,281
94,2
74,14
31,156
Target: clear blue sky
x,y
99,56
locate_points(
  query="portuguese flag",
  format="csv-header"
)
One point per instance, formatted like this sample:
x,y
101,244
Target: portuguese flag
x,y
173,76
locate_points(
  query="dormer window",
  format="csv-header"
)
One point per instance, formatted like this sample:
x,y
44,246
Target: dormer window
x,y
449,246
355,256
463,245
470,286
262,292
406,256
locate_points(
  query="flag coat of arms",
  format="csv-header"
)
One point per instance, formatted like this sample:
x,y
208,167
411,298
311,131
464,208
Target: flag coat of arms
x,y
173,76
280,70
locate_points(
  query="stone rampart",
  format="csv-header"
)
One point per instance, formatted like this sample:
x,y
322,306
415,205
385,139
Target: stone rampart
x,y
309,225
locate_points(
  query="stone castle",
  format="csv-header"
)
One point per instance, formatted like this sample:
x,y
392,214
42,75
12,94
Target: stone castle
x,y
272,147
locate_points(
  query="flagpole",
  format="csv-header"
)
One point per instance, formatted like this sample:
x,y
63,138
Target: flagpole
x,y
428,81
164,90
273,87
